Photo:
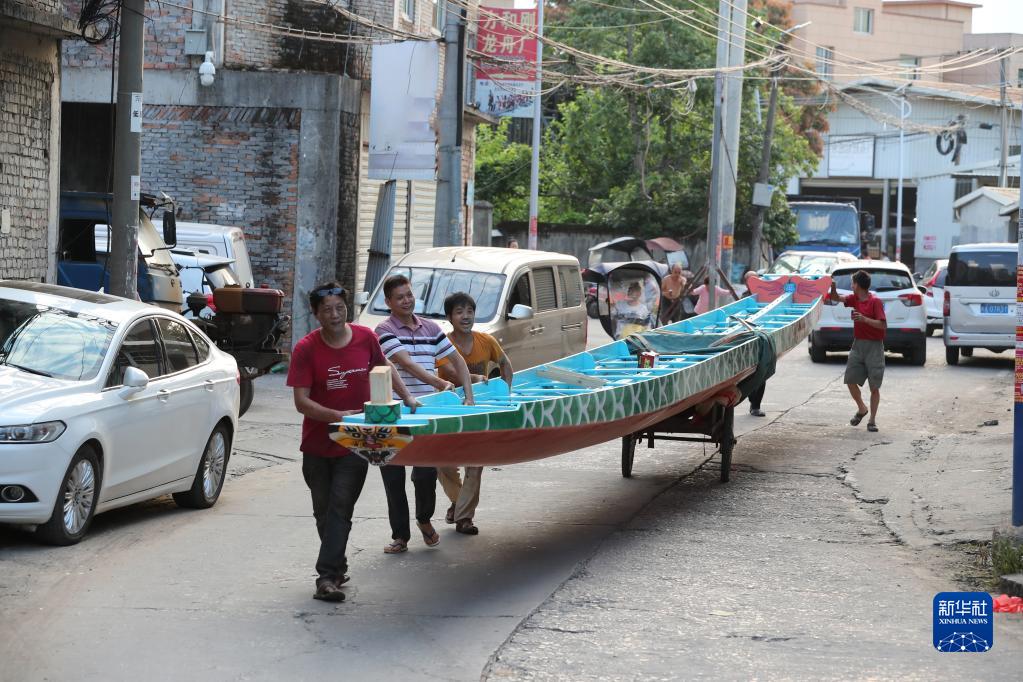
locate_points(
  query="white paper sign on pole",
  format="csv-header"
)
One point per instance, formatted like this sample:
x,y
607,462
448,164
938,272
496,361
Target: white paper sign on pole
x,y
402,144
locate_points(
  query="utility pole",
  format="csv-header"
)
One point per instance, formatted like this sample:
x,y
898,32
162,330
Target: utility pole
x,y
1003,160
447,228
713,216
903,115
736,37
124,218
763,177
1017,412
534,172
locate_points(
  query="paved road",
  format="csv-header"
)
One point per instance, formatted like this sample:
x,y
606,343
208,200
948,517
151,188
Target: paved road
x,y
818,561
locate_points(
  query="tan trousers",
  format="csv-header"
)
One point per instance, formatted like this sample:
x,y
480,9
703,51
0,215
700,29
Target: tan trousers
x,y
464,495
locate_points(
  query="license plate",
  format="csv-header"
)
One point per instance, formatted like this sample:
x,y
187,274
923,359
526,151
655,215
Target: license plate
x,y
994,308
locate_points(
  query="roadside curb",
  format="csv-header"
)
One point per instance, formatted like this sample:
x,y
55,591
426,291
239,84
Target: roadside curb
x,y
1012,585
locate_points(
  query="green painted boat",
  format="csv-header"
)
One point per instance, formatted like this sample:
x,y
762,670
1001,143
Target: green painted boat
x,y
597,395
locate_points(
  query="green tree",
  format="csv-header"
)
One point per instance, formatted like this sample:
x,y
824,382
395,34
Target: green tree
x,y
639,159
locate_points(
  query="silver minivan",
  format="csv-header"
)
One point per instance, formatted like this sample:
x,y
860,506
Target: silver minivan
x,y
980,299
530,301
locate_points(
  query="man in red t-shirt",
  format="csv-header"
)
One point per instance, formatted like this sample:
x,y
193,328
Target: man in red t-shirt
x,y
329,373
866,358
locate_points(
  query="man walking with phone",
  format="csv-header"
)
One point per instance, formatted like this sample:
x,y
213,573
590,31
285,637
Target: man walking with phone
x,y
866,359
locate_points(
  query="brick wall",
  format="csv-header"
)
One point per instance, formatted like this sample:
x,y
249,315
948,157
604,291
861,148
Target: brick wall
x,y
25,87
164,41
231,166
247,46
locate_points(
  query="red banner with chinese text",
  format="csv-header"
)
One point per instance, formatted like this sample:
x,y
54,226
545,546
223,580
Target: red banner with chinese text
x,y
506,36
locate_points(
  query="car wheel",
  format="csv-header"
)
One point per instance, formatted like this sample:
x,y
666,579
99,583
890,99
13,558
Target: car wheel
x,y
931,328
591,309
76,501
246,392
952,355
209,478
966,351
918,355
817,354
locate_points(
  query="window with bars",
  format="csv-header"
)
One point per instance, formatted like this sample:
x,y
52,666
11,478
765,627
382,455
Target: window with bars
x,y
825,59
863,20
546,293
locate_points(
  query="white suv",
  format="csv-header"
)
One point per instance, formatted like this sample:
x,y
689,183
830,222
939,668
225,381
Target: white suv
x,y
903,308
980,298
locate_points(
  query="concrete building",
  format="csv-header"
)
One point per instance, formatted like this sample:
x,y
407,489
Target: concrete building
x,y
861,159
877,34
277,145
31,32
980,214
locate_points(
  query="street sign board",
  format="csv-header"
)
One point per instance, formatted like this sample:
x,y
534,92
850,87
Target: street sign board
x,y
506,74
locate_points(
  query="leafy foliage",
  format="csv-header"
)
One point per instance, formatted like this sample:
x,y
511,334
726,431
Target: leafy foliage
x,y
639,160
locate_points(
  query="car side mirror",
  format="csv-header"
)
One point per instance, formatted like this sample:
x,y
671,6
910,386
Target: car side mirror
x,y
362,298
135,380
520,312
170,228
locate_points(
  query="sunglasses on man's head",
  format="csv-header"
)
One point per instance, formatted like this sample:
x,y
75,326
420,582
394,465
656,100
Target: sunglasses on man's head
x,y
324,293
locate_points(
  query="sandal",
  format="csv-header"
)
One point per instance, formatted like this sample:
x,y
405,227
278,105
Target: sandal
x,y
430,538
467,527
449,517
857,418
396,547
872,427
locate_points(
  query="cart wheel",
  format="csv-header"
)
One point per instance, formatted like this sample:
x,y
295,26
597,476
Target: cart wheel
x,y
727,443
628,455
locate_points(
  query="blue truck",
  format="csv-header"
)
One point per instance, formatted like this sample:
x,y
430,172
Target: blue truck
x,y
832,226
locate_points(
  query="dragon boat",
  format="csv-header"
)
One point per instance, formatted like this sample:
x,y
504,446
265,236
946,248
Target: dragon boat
x,y
601,394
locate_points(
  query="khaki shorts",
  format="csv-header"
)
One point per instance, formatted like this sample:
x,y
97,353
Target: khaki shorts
x,y
866,363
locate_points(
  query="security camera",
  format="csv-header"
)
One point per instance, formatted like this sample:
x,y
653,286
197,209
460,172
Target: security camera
x,y
207,71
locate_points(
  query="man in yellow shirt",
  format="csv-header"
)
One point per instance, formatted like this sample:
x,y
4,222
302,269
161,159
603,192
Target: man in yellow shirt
x,y
480,352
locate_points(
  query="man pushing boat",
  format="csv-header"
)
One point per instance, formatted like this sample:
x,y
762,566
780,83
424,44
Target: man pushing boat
x,y
329,373
480,351
414,345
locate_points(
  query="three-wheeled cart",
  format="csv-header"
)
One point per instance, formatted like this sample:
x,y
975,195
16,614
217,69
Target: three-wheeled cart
x,y
716,427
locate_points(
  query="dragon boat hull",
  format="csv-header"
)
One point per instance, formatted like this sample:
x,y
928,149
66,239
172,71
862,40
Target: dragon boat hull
x,y
495,448
588,398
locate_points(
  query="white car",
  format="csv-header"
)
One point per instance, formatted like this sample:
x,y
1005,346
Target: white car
x,y
932,285
980,299
105,402
903,308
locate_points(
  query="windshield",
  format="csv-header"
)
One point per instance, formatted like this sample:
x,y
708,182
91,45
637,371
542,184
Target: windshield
x,y
222,276
52,342
432,285
982,269
827,226
880,280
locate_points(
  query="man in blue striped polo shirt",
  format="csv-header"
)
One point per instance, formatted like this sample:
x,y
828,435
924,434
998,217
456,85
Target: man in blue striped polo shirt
x,y
414,344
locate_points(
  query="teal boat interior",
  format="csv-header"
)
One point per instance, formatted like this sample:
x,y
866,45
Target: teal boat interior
x,y
679,346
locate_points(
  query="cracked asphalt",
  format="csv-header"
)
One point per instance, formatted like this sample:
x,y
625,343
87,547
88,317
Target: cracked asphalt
x,y
819,560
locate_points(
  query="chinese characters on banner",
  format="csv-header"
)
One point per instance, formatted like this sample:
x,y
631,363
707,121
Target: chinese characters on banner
x,y
506,80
